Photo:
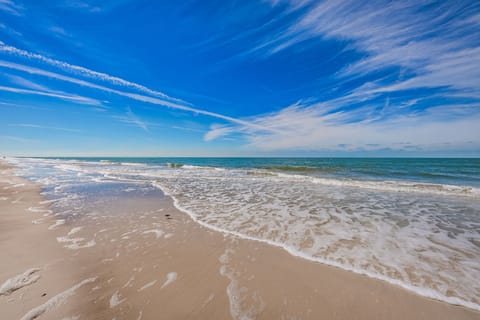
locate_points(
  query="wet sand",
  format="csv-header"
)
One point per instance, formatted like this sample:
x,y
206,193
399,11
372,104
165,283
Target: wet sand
x,y
144,259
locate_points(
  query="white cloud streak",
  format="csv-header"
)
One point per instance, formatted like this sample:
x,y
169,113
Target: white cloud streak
x,y
217,131
11,7
18,139
436,46
27,83
10,31
83,71
131,118
310,128
36,126
75,98
134,96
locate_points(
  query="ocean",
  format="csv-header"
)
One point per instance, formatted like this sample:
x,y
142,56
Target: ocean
x,y
411,222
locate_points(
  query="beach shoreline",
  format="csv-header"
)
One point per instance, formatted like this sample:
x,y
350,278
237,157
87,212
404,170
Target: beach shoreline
x,y
150,260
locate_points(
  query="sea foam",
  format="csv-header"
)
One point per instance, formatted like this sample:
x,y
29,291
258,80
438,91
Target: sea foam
x,y
116,299
28,277
55,301
171,277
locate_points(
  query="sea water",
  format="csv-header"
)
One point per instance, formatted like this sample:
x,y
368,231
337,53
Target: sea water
x,y
412,222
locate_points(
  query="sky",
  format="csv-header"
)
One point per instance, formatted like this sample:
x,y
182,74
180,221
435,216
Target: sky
x,y
240,78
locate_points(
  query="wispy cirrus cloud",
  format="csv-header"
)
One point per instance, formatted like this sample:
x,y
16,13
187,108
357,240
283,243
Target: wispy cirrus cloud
x,y
21,81
134,96
74,98
401,46
94,7
131,118
42,127
184,128
85,72
157,99
82,5
302,127
30,87
217,131
17,139
59,31
11,7
435,43
9,30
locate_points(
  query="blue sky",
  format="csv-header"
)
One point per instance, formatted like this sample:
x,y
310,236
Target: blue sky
x,y
240,78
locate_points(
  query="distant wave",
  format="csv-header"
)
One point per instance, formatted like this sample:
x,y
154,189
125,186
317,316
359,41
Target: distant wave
x,y
261,173
132,164
174,165
392,185
295,168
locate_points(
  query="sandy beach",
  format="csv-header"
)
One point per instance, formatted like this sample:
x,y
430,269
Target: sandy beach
x,y
138,257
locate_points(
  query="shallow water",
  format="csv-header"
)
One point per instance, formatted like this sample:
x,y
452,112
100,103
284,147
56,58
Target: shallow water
x,y
415,222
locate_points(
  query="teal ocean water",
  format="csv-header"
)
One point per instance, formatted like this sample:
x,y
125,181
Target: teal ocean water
x,y
411,222
454,171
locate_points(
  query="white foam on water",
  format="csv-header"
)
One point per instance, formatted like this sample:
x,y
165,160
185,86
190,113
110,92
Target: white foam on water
x,y
240,308
55,301
132,164
399,186
13,186
28,277
68,239
128,233
57,223
75,243
208,300
414,242
148,285
129,282
48,201
74,230
38,210
116,299
171,277
158,233
76,246
186,166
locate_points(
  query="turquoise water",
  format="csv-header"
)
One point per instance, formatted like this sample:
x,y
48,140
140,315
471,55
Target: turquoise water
x,y
411,222
455,171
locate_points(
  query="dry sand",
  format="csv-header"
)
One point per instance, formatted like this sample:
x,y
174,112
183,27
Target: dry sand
x,y
151,261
